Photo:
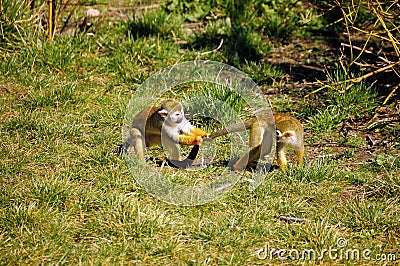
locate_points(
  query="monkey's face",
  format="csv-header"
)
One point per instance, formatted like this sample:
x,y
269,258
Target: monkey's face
x,y
173,116
288,137
176,116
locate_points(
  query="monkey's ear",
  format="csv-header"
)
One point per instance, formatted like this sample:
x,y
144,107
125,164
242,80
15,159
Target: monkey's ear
x,y
289,134
163,113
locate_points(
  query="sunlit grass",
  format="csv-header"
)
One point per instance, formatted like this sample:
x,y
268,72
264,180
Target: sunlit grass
x,y
67,197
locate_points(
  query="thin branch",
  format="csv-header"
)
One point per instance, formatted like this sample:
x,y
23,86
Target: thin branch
x,y
366,51
391,38
290,219
354,80
212,51
383,104
375,35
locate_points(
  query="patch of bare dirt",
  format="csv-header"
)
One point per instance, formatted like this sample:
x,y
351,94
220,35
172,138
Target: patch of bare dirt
x,y
307,61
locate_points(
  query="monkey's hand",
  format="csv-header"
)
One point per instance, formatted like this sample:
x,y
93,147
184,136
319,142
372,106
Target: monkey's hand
x,y
198,132
190,140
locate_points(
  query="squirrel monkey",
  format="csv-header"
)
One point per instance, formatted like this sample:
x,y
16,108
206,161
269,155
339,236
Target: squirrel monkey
x,y
164,125
260,140
289,134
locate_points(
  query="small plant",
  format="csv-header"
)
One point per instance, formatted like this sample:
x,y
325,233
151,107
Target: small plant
x,y
192,10
231,104
279,25
345,100
154,24
15,24
388,162
326,119
356,141
352,99
388,185
262,73
371,215
312,172
243,44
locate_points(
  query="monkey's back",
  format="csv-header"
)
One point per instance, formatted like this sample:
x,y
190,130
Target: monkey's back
x,y
148,122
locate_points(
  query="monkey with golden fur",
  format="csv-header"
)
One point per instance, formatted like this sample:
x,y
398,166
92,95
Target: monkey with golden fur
x,y
164,125
289,134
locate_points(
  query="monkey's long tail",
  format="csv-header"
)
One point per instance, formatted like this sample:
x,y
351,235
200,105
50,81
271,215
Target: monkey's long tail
x,y
231,129
186,162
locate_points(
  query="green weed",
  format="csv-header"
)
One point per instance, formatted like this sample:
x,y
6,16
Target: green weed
x,y
345,102
154,24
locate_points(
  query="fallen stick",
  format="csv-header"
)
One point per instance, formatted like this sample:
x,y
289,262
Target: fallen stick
x,y
290,219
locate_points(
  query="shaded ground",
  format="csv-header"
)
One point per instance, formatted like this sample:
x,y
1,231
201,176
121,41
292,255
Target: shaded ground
x,y
307,61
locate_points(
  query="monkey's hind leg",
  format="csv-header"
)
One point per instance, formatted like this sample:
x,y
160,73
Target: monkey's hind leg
x,y
134,144
300,155
247,159
171,148
281,154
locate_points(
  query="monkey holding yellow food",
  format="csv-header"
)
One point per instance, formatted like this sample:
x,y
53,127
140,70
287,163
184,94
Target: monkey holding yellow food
x,y
164,125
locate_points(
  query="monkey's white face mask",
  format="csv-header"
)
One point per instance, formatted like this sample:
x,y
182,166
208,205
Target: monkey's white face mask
x,y
177,116
288,137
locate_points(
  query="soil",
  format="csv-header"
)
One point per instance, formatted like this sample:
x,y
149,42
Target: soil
x,y
305,62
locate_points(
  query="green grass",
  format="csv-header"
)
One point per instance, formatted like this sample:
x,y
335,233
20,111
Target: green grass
x,y
67,197
345,101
